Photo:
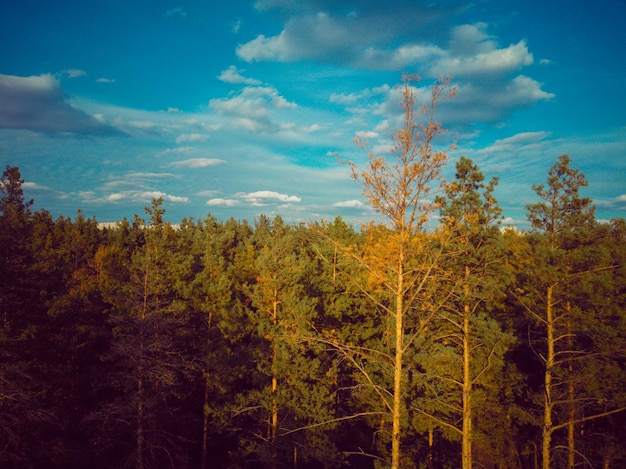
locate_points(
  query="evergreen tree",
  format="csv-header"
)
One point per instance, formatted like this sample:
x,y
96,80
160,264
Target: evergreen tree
x,y
471,344
567,266
288,391
145,356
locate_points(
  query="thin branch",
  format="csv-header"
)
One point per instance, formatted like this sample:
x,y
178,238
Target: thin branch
x,y
586,419
439,421
328,422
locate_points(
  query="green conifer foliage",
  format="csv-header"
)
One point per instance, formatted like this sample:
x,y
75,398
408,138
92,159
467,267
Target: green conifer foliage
x,y
560,294
462,363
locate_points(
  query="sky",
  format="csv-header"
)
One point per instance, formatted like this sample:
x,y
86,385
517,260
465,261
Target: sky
x,y
243,108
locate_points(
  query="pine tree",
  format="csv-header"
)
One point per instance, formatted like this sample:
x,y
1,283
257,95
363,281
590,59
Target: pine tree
x,y
145,358
566,263
471,343
289,391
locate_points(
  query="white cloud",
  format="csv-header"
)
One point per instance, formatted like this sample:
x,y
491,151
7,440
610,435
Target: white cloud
x,y
349,204
176,198
193,137
312,128
232,75
471,39
353,98
399,58
187,150
488,102
261,198
523,140
364,36
253,107
33,186
116,197
142,125
149,195
365,134
198,162
219,202
73,73
252,102
489,63
105,80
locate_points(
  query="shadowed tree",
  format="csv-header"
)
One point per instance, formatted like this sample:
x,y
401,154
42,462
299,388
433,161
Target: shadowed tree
x,y
468,343
289,390
20,317
145,355
568,264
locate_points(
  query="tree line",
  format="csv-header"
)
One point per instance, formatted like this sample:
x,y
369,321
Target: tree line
x,y
268,345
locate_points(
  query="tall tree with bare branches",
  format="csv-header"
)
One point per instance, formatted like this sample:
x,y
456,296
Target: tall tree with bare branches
x,y
396,262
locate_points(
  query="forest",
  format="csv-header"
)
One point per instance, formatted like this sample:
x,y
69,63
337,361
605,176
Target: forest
x,y
237,344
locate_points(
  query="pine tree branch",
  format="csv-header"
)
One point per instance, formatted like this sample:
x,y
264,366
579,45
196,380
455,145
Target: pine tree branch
x,y
586,419
440,422
331,421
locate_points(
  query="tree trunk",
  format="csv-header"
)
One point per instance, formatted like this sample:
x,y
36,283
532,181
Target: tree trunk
x,y
547,399
431,444
397,371
466,443
205,407
274,416
205,424
140,415
571,394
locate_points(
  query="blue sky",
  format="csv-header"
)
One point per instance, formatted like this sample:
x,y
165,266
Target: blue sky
x,y
241,108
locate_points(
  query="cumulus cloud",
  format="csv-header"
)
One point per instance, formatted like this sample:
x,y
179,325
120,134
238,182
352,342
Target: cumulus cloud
x,y
105,80
399,58
312,128
232,75
252,107
488,63
38,103
349,204
198,162
303,38
365,134
138,196
478,102
219,202
261,198
364,34
473,102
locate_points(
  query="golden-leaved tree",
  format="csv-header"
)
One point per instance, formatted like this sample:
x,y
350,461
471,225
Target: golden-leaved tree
x,y
395,263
